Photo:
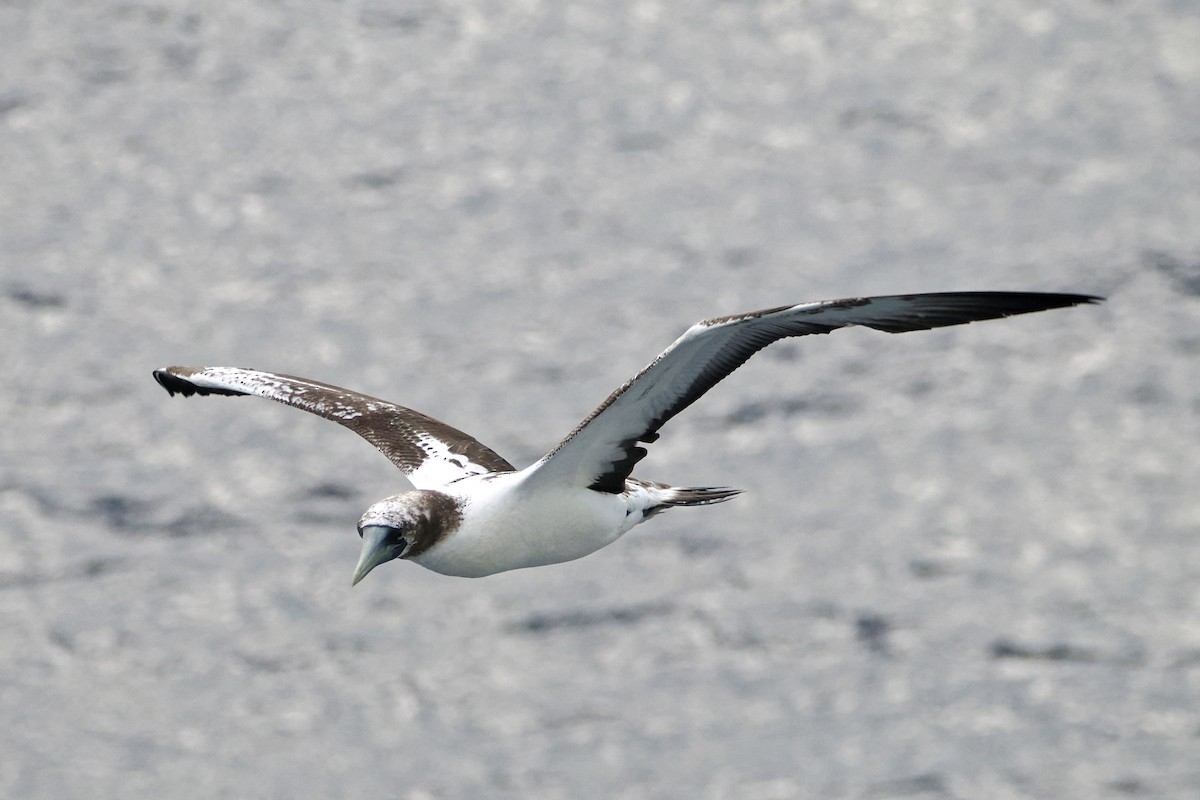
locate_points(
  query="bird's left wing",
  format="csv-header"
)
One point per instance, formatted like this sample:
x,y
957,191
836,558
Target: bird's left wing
x,y
429,452
602,451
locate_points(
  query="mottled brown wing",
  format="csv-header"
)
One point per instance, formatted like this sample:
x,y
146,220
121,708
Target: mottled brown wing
x,y
429,452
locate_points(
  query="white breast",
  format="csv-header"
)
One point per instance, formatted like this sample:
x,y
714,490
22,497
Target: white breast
x,y
507,526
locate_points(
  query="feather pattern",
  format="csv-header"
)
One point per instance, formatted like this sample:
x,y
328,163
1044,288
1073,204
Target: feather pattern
x,y
431,453
603,449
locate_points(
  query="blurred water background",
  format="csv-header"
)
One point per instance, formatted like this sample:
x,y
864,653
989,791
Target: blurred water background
x,y
966,566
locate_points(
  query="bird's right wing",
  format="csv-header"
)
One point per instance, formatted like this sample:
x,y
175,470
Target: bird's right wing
x,y
429,452
602,451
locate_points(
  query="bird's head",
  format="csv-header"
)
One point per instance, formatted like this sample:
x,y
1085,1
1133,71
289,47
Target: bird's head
x,y
402,527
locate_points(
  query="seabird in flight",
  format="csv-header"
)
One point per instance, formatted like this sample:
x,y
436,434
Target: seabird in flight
x,y
474,514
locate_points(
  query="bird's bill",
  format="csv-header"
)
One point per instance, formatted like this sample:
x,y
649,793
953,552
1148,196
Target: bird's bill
x,y
375,551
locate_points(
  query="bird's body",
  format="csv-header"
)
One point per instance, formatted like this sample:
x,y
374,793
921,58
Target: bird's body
x,y
474,514
484,524
488,533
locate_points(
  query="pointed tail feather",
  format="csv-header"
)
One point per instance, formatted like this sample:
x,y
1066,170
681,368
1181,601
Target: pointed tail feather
x,y
697,495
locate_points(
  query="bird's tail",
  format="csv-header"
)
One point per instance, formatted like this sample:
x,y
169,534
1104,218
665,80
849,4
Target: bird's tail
x,y
662,495
697,495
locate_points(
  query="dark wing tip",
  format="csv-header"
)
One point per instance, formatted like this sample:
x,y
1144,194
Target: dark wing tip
x,y
1010,303
1016,302
939,309
171,380
1059,299
173,383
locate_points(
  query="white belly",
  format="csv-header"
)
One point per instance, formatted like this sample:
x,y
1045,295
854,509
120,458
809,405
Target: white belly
x,y
505,528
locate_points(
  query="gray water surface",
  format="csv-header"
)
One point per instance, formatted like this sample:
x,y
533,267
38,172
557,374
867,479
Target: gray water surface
x,y
967,563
